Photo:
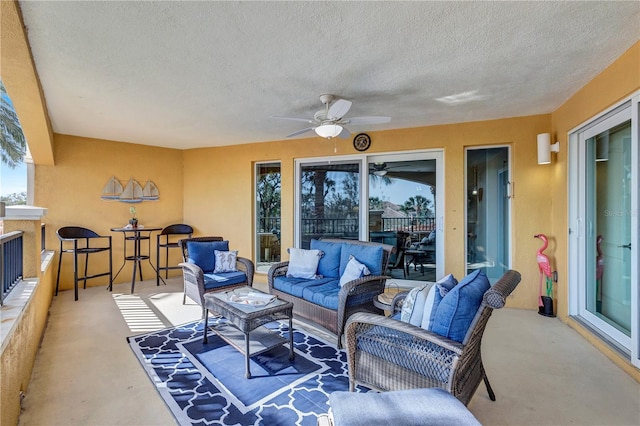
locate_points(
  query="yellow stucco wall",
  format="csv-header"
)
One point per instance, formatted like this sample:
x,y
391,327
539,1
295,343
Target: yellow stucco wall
x,y
618,81
71,191
219,197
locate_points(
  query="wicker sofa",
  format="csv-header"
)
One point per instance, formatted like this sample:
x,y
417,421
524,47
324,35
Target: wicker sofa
x,y
323,300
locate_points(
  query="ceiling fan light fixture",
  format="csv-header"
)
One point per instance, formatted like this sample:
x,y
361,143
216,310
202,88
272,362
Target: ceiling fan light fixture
x,y
380,172
328,131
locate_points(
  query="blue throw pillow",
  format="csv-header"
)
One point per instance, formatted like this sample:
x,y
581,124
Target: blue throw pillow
x,y
443,286
202,253
329,265
458,308
370,256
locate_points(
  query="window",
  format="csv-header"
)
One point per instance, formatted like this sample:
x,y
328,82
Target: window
x,y
488,211
268,187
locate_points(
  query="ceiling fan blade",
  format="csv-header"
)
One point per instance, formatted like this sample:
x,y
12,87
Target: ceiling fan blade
x,y
338,109
304,120
299,132
344,134
368,120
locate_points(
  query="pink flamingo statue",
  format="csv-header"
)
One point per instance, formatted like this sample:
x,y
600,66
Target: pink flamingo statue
x,y
599,271
545,268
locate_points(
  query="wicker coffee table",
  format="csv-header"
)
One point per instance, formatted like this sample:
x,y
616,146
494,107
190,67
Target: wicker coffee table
x,y
245,331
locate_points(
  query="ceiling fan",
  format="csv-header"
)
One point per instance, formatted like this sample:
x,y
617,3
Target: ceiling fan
x,y
379,169
329,122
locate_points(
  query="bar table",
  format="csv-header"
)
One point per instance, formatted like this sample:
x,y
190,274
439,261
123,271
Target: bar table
x,y
136,235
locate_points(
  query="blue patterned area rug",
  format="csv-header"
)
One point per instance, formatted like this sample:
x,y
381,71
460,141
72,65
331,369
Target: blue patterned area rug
x,y
205,384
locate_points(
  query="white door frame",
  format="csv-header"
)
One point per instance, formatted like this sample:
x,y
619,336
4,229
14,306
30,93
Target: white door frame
x,y
622,111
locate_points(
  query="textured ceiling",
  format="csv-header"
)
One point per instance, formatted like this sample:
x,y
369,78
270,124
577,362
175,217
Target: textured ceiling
x,y
196,74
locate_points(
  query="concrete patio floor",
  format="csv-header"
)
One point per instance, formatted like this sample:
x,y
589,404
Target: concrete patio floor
x,y
543,372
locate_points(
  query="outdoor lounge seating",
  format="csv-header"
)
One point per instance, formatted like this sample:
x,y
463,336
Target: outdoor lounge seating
x,y
320,297
389,354
209,266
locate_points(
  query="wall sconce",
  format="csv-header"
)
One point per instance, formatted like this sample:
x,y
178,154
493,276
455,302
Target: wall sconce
x,y
545,148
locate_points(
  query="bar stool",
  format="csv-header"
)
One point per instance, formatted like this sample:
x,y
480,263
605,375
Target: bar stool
x,y
75,235
166,242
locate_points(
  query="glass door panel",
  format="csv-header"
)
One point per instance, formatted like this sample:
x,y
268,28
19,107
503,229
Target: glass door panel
x,y
268,179
329,201
402,212
608,219
488,211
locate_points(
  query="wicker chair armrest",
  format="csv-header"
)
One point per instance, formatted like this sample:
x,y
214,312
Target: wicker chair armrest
x,y
359,286
369,284
192,273
277,270
360,318
246,265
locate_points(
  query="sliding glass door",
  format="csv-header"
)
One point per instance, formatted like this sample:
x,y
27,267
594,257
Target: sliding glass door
x,y
604,227
403,206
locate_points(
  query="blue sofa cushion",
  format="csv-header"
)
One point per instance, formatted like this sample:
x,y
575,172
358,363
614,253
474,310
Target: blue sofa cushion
x,y
324,295
295,286
371,256
458,308
202,253
223,279
329,265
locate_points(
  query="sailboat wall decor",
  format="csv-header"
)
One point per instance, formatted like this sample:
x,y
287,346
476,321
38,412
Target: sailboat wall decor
x,y
112,190
150,191
132,192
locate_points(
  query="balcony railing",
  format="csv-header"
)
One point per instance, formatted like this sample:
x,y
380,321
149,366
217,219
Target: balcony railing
x,y
10,261
407,224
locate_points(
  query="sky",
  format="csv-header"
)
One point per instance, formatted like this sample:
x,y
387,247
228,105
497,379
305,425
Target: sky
x,y
399,191
13,180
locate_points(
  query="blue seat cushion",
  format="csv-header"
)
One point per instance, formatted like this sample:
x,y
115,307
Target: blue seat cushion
x,y
325,294
458,307
222,279
202,253
370,256
295,286
329,265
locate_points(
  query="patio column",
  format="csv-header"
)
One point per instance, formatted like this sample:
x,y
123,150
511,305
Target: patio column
x,y
27,219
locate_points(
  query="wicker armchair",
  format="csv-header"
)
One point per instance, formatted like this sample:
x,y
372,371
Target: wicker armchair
x,y
386,354
195,282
